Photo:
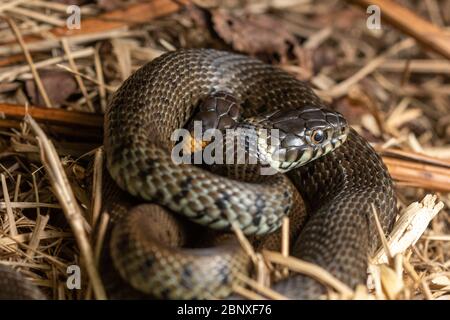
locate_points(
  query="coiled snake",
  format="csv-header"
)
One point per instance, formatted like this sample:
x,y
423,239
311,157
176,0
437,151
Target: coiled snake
x,y
339,183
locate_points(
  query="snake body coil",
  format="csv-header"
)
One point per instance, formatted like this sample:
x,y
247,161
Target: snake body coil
x,y
340,188
14,286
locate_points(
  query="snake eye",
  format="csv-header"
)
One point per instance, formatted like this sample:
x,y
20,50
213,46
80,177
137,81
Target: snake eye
x,y
318,136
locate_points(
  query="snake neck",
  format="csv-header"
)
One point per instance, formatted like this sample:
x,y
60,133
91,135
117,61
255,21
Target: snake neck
x,y
352,181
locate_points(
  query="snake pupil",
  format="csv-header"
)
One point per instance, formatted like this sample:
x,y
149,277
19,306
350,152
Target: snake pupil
x,y
318,136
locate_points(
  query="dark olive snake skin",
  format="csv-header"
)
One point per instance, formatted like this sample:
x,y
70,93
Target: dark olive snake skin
x,y
339,188
14,286
340,235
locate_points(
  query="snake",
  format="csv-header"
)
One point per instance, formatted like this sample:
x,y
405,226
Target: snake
x,y
13,285
154,246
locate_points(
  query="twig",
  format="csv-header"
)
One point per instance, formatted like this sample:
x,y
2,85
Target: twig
x,y
100,78
390,283
41,223
341,88
27,54
310,270
25,237
36,193
417,157
14,72
61,116
16,190
27,205
103,226
64,193
101,232
247,293
418,174
420,282
407,21
100,84
40,253
244,242
12,222
285,241
271,294
97,187
409,227
49,44
74,67
37,16
10,5
56,6
383,240
117,19
416,66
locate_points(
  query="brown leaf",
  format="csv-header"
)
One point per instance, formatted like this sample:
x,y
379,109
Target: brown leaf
x,y
73,2
257,35
58,84
350,109
109,5
342,20
9,86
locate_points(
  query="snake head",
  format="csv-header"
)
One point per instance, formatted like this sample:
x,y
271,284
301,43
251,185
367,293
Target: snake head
x,y
284,139
297,136
219,111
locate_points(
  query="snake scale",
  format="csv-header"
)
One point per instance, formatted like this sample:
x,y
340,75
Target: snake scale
x,y
340,188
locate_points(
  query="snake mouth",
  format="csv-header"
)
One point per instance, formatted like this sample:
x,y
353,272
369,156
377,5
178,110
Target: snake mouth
x,y
278,159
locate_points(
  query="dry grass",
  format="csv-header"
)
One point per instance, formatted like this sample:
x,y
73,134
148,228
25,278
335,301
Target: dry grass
x,y
393,91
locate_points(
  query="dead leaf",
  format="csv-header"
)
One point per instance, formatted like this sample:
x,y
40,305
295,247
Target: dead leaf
x,y
351,110
9,86
109,5
59,85
257,35
228,4
73,2
342,20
